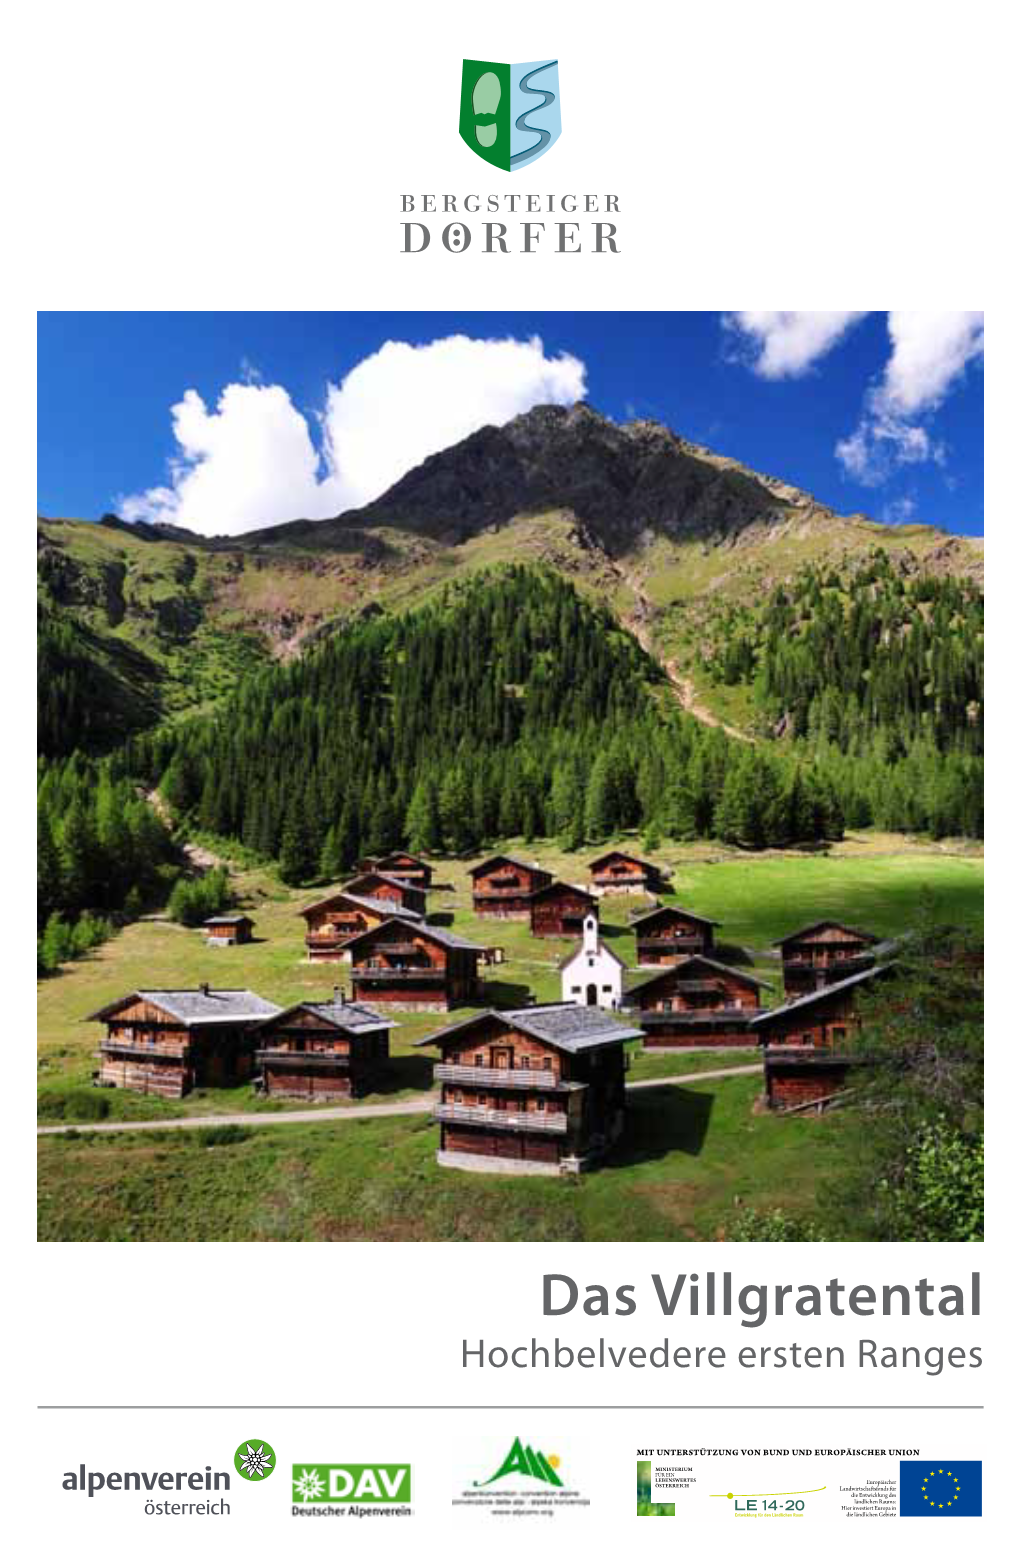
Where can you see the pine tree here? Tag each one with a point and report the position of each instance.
(48, 870)
(455, 810)
(56, 942)
(422, 824)
(599, 809)
(298, 852)
(331, 862)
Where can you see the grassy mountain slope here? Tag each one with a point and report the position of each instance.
(666, 533)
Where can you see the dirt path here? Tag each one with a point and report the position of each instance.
(344, 1113)
(699, 1077)
(198, 858)
(683, 688)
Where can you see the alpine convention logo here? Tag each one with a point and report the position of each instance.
(510, 114)
(523, 1461)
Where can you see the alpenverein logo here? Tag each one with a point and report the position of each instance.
(255, 1460)
(510, 114)
(523, 1461)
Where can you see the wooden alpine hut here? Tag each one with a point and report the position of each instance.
(330, 924)
(697, 1002)
(414, 966)
(323, 1051)
(671, 932)
(400, 864)
(821, 953)
(169, 1042)
(808, 1040)
(535, 1091)
(559, 910)
(227, 931)
(503, 886)
(621, 873)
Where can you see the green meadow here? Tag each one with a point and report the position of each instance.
(690, 1158)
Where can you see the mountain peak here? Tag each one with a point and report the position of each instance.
(620, 481)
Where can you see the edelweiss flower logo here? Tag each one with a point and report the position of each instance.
(255, 1460)
(310, 1485)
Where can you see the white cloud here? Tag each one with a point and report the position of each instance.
(929, 352)
(882, 443)
(929, 355)
(787, 344)
(407, 401)
(246, 464)
(899, 510)
(251, 461)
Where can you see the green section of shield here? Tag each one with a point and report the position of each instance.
(471, 120)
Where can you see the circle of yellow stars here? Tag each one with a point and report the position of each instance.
(949, 1489)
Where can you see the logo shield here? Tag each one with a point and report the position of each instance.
(510, 114)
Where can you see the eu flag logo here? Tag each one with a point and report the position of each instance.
(938, 1489)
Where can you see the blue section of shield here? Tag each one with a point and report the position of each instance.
(940, 1489)
(534, 111)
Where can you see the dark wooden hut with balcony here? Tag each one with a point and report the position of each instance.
(332, 923)
(385, 886)
(169, 1042)
(558, 910)
(323, 1051)
(697, 1002)
(414, 966)
(227, 931)
(539, 1090)
(503, 886)
(621, 873)
(808, 1041)
(670, 933)
(824, 952)
(400, 864)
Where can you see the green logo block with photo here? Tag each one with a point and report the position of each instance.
(379, 1484)
(254, 1460)
(510, 114)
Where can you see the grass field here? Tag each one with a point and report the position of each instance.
(691, 1157)
(378, 1179)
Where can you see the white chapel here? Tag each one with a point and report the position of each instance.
(593, 976)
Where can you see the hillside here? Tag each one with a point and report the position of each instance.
(667, 534)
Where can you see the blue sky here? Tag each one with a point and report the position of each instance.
(292, 414)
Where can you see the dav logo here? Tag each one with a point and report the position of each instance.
(510, 114)
(346, 1484)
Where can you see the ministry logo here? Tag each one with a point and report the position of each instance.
(510, 114)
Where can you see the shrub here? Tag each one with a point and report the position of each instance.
(940, 1195)
(73, 1105)
(771, 1226)
(193, 900)
(222, 1136)
(86, 1105)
